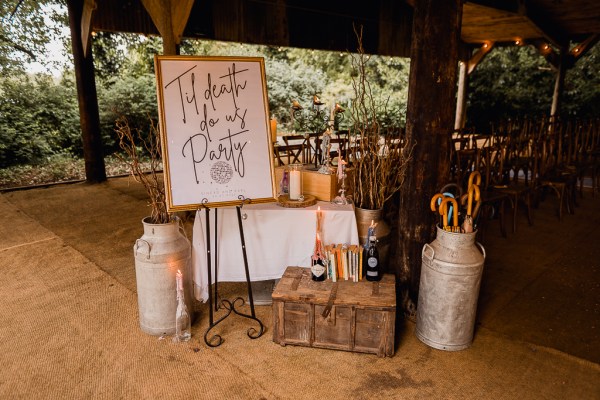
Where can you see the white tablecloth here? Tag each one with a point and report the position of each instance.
(276, 237)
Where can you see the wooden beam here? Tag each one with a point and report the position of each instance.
(547, 51)
(170, 18)
(559, 83)
(429, 123)
(86, 23)
(479, 55)
(87, 97)
(180, 13)
(582, 48)
(546, 31)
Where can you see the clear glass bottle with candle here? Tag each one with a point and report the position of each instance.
(183, 322)
(295, 179)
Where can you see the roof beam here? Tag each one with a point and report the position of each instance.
(478, 56)
(89, 6)
(549, 33)
(547, 51)
(170, 18)
(583, 47)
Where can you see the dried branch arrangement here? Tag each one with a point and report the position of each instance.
(379, 161)
(130, 141)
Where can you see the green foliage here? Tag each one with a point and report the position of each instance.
(38, 118)
(298, 74)
(509, 82)
(24, 32)
(514, 82)
(582, 87)
(130, 96)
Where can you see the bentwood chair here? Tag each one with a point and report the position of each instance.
(518, 191)
(551, 173)
(493, 202)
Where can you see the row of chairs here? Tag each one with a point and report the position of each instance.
(306, 149)
(523, 159)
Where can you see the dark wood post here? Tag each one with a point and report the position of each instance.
(429, 123)
(93, 153)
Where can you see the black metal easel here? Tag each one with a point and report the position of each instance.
(216, 340)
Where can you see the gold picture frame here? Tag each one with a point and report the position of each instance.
(215, 131)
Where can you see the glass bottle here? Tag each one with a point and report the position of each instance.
(372, 265)
(285, 184)
(183, 323)
(318, 269)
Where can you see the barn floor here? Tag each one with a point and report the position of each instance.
(69, 327)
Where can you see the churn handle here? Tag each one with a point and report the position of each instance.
(482, 248)
(432, 251)
(137, 245)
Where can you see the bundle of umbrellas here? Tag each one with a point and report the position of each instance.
(447, 207)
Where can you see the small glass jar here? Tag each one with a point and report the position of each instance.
(295, 181)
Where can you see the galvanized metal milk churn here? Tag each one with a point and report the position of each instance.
(451, 271)
(161, 251)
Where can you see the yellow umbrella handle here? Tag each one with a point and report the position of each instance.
(455, 214)
(477, 199)
(475, 178)
(434, 199)
(444, 211)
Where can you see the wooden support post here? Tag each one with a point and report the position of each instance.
(429, 123)
(88, 100)
(461, 96)
(559, 83)
(466, 68)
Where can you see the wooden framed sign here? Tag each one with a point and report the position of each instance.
(214, 125)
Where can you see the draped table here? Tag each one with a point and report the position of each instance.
(276, 237)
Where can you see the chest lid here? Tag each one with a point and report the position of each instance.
(296, 285)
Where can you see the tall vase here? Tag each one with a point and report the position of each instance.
(382, 231)
(162, 250)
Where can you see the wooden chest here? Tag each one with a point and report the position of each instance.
(323, 187)
(351, 316)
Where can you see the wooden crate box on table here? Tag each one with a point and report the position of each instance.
(324, 187)
(345, 315)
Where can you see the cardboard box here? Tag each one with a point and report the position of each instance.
(345, 315)
(323, 187)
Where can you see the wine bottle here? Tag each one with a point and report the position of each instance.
(318, 270)
(373, 266)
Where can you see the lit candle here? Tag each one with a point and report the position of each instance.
(295, 184)
(319, 220)
(273, 130)
(179, 279)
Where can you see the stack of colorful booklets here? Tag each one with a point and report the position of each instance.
(344, 262)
